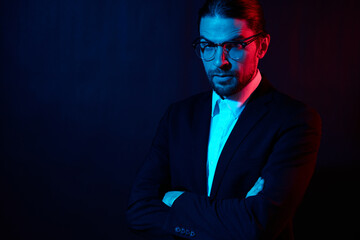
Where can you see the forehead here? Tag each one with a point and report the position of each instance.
(219, 29)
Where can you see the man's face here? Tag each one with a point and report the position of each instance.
(226, 75)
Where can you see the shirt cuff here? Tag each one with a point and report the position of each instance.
(170, 197)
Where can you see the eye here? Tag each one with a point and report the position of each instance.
(204, 45)
(233, 45)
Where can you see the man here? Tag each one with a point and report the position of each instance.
(234, 162)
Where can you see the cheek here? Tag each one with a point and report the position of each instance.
(206, 66)
(249, 59)
(247, 56)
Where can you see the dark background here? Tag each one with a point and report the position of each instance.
(84, 84)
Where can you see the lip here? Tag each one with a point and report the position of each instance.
(223, 75)
(222, 79)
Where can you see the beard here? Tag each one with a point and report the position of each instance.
(229, 85)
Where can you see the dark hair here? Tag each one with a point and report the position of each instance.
(249, 10)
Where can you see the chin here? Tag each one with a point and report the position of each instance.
(226, 92)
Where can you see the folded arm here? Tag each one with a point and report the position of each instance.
(263, 215)
(170, 197)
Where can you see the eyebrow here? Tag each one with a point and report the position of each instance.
(240, 37)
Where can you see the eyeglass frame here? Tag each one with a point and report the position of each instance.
(243, 42)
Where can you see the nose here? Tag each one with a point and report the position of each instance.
(220, 60)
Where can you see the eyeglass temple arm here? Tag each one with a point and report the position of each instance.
(247, 41)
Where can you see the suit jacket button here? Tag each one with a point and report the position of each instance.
(192, 234)
(177, 229)
(187, 232)
(183, 231)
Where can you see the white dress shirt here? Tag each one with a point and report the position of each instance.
(224, 116)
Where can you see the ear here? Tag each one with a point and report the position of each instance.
(264, 45)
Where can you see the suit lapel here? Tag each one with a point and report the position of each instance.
(255, 109)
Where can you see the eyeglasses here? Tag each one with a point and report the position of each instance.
(206, 50)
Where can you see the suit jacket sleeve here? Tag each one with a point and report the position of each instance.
(287, 174)
(146, 212)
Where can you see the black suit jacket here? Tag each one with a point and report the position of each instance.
(275, 137)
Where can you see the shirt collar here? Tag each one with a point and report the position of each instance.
(236, 102)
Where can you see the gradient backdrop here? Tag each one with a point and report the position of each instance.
(84, 84)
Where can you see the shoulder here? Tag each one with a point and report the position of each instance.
(287, 104)
(281, 105)
(292, 111)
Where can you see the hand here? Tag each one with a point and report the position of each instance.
(256, 188)
(170, 197)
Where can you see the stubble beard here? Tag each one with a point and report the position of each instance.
(234, 86)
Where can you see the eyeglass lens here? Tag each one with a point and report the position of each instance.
(207, 51)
